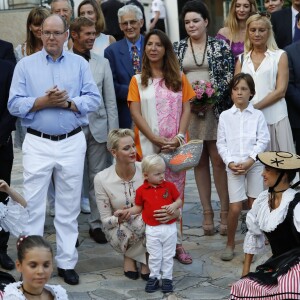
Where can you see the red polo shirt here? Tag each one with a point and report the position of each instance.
(152, 198)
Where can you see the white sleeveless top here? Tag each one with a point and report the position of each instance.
(101, 42)
(265, 82)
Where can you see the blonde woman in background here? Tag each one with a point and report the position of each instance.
(268, 66)
(235, 25)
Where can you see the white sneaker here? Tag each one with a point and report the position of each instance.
(85, 206)
(52, 211)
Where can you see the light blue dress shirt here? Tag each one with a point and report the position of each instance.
(37, 73)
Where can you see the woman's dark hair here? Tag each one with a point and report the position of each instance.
(170, 68)
(100, 20)
(196, 6)
(25, 243)
(291, 175)
(249, 80)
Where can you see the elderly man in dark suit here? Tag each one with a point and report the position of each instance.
(7, 125)
(284, 24)
(125, 58)
(293, 91)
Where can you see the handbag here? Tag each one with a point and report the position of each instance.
(185, 157)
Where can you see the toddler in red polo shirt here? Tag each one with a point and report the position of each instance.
(154, 194)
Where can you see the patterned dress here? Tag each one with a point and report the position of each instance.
(113, 193)
(220, 69)
(162, 109)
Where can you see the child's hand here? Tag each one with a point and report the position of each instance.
(118, 212)
(170, 209)
(122, 215)
(246, 165)
(235, 168)
(4, 187)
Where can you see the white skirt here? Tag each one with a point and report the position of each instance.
(13, 217)
(281, 136)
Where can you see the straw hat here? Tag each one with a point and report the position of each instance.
(280, 160)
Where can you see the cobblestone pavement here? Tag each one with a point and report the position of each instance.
(100, 267)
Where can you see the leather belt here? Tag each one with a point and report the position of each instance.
(53, 137)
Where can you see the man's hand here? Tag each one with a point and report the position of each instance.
(57, 98)
(53, 98)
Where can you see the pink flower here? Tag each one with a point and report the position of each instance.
(210, 92)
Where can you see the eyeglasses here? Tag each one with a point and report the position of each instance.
(55, 34)
(132, 23)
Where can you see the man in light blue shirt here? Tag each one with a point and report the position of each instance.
(53, 91)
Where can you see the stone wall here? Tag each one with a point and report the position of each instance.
(13, 25)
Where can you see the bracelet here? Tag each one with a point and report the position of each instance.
(181, 136)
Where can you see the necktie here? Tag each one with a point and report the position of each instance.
(136, 60)
(297, 29)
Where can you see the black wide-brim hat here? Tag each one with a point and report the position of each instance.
(280, 160)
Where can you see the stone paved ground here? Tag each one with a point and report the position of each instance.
(100, 268)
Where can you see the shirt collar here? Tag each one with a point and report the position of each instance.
(49, 58)
(249, 108)
(267, 53)
(86, 54)
(138, 44)
(149, 186)
(294, 13)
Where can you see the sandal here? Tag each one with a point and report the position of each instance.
(209, 229)
(182, 256)
(223, 227)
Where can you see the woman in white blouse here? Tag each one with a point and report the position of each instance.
(115, 189)
(276, 214)
(268, 66)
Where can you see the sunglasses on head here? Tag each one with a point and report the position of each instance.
(262, 14)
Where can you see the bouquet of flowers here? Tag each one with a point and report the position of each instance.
(205, 94)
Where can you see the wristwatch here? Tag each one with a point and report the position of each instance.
(69, 104)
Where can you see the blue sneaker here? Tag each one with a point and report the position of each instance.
(152, 285)
(167, 286)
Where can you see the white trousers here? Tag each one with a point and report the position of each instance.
(63, 159)
(161, 246)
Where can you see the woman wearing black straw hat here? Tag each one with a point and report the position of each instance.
(276, 214)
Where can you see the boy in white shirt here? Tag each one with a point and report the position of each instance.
(242, 134)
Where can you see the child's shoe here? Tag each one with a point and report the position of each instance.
(152, 285)
(167, 286)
